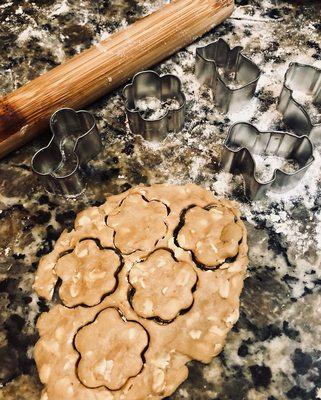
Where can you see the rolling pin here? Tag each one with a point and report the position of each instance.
(91, 74)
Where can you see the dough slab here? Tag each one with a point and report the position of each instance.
(147, 282)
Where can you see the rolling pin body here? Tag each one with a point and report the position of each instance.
(96, 71)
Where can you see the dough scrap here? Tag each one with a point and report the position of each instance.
(106, 343)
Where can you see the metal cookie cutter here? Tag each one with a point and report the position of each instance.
(244, 140)
(75, 140)
(146, 89)
(307, 80)
(216, 64)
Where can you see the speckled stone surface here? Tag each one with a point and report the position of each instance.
(274, 351)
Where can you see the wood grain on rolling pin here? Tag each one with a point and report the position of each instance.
(86, 77)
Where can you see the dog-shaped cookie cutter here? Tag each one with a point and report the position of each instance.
(307, 80)
(149, 84)
(75, 140)
(216, 56)
(244, 140)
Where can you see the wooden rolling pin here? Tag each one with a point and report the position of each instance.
(25, 112)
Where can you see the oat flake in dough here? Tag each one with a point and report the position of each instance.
(150, 280)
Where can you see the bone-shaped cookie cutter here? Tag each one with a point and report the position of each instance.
(150, 85)
(244, 140)
(216, 56)
(307, 80)
(75, 140)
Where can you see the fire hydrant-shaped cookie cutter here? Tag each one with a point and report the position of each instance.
(217, 65)
(75, 140)
(245, 140)
(160, 96)
(305, 79)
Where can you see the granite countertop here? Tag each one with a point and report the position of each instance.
(274, 351)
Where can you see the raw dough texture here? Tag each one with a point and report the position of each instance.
(147, 282)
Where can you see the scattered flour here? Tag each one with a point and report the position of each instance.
(223, 184)
(266, 165)
(62, 8)
(152, 108)
(196, 167)
(45, 39)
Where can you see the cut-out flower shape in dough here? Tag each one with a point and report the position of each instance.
(211, 234)
(87, 273)
(163, 286)
(138, 224)
(110, 350)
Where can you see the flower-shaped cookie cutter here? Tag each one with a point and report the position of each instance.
(244, 140)
(307, 80)
(217, 56)
(75, 140)
(147, 85)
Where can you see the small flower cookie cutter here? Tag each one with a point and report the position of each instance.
(150, 85)
(307, 80)
(244, 140)
(218, 55)
(75, 140)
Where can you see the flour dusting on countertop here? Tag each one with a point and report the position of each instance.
(274, 350)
